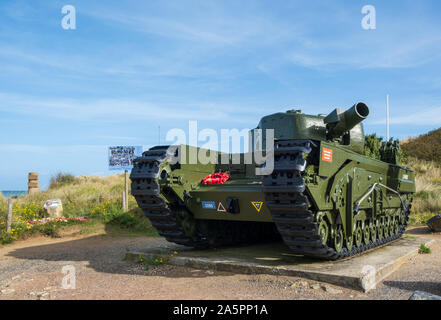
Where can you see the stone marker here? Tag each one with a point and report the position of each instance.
(53, 208)
(435, 223)
(33, 186)
(421, 295)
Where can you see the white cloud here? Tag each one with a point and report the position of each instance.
(423, 116)
(208, 23)
(50, 149)
(118, 109)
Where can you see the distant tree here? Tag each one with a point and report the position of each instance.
(61, 179)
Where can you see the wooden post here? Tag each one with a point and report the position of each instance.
(9, 218)
(126, 190)
(124, 201)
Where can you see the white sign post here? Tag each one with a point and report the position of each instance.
(121, 158)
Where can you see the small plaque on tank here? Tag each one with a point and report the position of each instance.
(209, 205)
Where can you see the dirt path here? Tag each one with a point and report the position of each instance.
(32, 269)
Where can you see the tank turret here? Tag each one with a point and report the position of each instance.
(338, 122)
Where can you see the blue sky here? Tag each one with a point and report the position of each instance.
(130, 66)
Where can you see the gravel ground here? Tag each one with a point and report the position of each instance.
(32, 269)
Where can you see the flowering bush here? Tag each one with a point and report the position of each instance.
(27, 212)
(46, 226)
(62, 219)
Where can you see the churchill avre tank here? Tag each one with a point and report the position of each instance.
(324, 198)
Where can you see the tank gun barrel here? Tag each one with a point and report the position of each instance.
(338, 121)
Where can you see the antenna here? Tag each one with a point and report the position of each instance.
(387, 117)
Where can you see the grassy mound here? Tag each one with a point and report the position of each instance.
(423, 154)
(97, 198)
(427, 201)
(424, 147)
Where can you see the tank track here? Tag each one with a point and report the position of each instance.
(209, 233)
(289, 206)
(146, 189)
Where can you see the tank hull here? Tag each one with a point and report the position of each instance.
(324, 198)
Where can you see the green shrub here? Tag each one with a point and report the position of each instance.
(61, 179)
(388, 151)
(50, 229)
(21, 230)
(124, 220)
(372, 145)
(106, 210)
(417, 218)
(5, 237)
(133, 220)
(424, 249)
(425, 194)
(26, 212)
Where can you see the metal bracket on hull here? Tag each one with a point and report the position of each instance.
(357, 206)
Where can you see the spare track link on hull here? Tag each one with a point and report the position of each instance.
(289, 206)
(146, 190)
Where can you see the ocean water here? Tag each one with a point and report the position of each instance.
(11, 193)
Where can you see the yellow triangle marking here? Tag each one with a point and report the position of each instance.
(221, 208)
(257, 205)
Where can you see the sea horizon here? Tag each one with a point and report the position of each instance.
(13, 193)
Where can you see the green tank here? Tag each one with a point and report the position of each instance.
(324, 198)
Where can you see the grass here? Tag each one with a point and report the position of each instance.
(97, 198)
(424, 156)
(424, 147)
(427, 200)
(424, 249)
(154, 259)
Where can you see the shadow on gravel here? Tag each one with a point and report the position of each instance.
(431, 287)
(419, 230)
(105, 254)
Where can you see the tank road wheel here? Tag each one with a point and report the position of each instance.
(373, 233)
(366, 234)
(358, 237)
(384, 227)
(396, 226)
(387, 228)
(338, 240)
(350, 242)
(392, 227)
(380, 231)
(323, 231)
